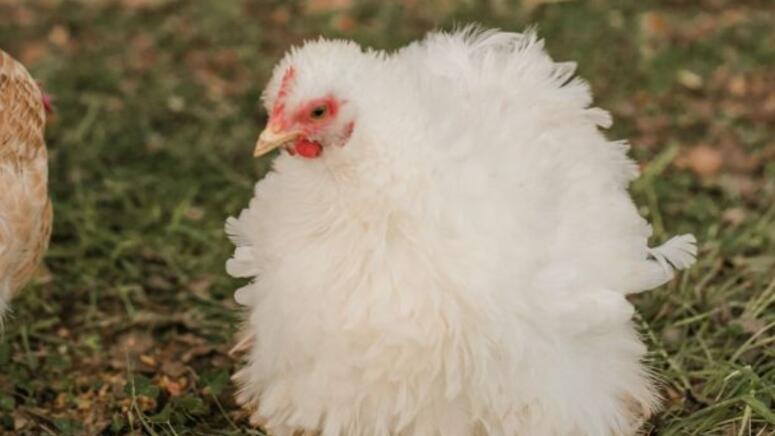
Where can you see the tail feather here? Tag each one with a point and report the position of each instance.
(678, 253)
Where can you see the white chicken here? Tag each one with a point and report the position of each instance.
(445, 249)
(25, 209)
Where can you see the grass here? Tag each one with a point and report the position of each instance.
(128, 330)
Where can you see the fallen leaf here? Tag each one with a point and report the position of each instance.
(200, 286)
(128, 348)
(702, 160)
(737, 86)
(344, 23)
(148, 360)
(174, 388)
(734, 216)
(194, 213)
(59, 36)
(159, 282)
(173, 368)
(176, 103)
(689, 79)
(654, 24)
(750, 325)
(280, 15)
(20, 421)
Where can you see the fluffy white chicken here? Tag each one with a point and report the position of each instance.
(25, 209)
(445, 249)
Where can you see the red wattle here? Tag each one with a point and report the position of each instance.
(307, 148)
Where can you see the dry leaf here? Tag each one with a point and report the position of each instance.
(172, 367)
(148, 360)
(734, 216)
(173, 387)
(751, 325)
(689, 79)
(702, 160)
(344, 23)
(129, 347)
(59, 36)
(194, 213)
(280, 15)
(200, 286)
(737, 86)
(654, 24)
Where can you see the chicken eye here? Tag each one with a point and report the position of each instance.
(319, 112)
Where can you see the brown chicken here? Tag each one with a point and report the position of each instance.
(25, 208)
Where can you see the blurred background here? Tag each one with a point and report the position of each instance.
(127, 329)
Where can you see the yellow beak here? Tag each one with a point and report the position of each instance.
(271, 139)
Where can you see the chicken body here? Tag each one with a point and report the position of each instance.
(25, 209)
(459, 266)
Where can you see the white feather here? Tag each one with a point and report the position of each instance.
(459, 266)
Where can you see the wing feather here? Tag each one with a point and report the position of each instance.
(25, 210)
